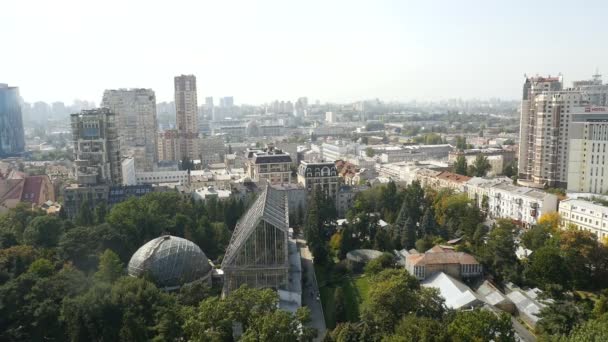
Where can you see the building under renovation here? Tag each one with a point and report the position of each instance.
(258, 253)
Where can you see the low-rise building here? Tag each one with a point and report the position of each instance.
(441, 179)
(35, 190)
(320, 176)
(270, 164)
(210, 192)
(497, 157)
(521, 204)
(74, 195)
(585, 215)
(346, 198)
(443, 259)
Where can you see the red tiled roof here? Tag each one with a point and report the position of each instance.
(453, 177)
(441, 255)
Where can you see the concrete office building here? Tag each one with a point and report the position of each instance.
(186, 111)
(546, 112)
(96, 147)
(135, 111)
(12, 139)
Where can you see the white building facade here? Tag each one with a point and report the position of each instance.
(584, 215)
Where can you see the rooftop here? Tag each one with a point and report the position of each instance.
(441, 255)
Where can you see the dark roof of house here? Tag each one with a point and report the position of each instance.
(272, 158)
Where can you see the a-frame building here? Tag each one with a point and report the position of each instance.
(258, 254)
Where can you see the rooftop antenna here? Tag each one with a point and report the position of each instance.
(597, 76)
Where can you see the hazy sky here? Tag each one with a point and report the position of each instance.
(330, 50)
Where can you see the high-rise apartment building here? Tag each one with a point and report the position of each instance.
(546, 112)
(137, 125)
(588, 137)
(96, 147)
(12, 139)
(186, 109)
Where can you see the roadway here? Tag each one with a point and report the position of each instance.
(310, 291)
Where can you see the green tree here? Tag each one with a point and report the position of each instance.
(411, 233)
(592, 330)
(460, 166)
(41, 267)
(481, 166)
(560, 317)
(414, 328)
(110, 267)
(393, 295)
(428, 225)
(536, 237)
(480, 325)
(43, 231)
(369, 152)
(384, 261)
(85, 214)
(100, 213)
(313, 230)
(130, 309)
(461, 143)
(16, 260)
(500, 256)
(546, 266)
(339, 306)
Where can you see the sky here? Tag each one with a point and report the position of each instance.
(331, 50)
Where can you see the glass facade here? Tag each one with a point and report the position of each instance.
(171, 261)
(12, 140)
(257, 254)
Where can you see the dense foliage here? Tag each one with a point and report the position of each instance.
(64, 280)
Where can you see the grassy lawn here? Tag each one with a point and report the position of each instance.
(355, 291)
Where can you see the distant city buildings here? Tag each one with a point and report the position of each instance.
(12, 140)
(137, 125)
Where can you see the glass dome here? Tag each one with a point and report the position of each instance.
(171, 261)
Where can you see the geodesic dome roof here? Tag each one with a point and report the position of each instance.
(171, 261)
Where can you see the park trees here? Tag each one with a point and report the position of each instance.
(460, 166)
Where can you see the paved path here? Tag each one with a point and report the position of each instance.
(310, 291)
(523, 333)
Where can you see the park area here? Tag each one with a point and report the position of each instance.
(345, 306)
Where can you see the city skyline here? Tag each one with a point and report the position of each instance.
(272, 50)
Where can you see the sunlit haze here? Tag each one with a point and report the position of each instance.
(258, 51)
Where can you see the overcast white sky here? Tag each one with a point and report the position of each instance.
(330, 50)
